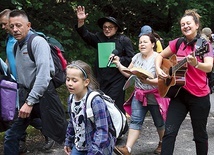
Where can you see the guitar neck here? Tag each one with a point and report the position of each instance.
(170, 86)
(179, 65)
(200, 50)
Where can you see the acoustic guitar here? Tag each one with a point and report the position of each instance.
(176, 70)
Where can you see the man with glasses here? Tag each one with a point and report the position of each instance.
(110, 79)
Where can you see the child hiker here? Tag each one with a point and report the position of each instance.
(84, 136)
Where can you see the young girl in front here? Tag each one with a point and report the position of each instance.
(83, 136)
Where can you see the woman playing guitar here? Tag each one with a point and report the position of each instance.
(193, 96)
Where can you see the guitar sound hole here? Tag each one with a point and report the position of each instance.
(168, 81)
(170, 71)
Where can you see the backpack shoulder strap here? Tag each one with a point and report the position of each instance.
(69, 101)
(3, 70)
(15, 48)
(29, 47)
(178, 43)
(89, 111)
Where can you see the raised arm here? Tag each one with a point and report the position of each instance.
(81, 15)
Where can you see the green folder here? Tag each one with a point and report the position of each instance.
(104, 51)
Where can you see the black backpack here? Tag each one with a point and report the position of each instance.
(56, 53)
(210, 75)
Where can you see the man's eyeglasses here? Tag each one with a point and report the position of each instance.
(108, 27)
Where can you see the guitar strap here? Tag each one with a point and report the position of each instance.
(183, 39)
(202, 47)
(191, 43)
(198, 42)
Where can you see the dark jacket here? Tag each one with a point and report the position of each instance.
(54, 123)
(123, 45)
(51, 112)
(110, 79)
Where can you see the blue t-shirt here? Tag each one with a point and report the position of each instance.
(10, 55)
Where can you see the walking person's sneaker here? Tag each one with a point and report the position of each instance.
(158, 149)
(121, 150)
(49, 143)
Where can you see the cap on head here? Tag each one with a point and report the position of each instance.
(145, 30)
(207, 31)
(101, 21)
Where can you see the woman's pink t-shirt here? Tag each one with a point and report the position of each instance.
(196, 80)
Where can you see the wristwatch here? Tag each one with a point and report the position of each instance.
(29, 103)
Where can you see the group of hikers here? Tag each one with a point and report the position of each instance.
(38, 103)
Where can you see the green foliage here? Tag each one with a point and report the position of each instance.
(57, 18)
(1, 136)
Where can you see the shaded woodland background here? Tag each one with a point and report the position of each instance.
(57, 18)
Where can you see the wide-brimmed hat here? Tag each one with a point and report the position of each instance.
(101, 21)
(146, 29)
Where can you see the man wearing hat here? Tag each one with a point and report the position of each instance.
(110, 79)
(146, 29)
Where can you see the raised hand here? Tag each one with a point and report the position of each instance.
(81, 15)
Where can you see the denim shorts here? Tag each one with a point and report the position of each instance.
(139, 113)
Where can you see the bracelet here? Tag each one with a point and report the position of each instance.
(197, 64)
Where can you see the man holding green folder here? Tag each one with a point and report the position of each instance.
(108, 40)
